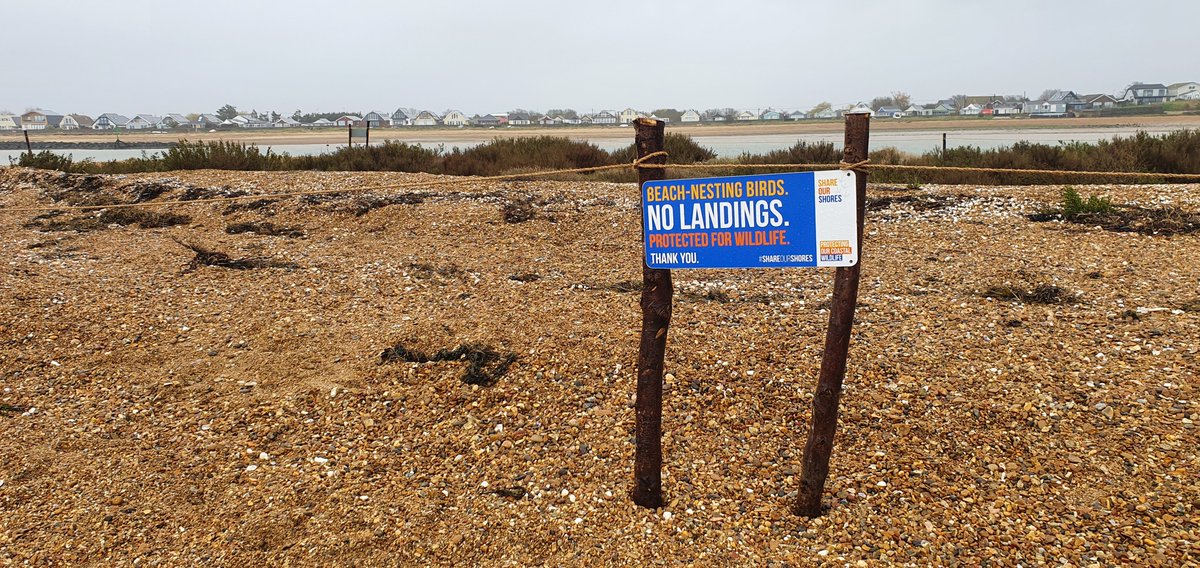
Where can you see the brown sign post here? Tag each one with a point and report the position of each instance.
(657, 292)
(656, 318)
(837, 341)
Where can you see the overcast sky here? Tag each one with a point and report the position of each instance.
(134, 56)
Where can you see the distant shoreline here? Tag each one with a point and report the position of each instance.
(79, 145)
(334, 135)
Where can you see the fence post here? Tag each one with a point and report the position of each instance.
(837, 342)
(28, 146)
(368, 136)
(656, 318)
(350, 134)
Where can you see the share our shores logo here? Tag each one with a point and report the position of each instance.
(769, 220)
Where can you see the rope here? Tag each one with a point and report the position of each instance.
(640, 163)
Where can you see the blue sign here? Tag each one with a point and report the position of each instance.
(758, 221)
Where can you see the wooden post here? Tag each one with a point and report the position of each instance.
(350, 135)
(657, 291)
(943, 145)
(837, 342)
(368, 135)
(28, 146)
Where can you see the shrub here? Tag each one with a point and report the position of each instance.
(46, 160)
(1075, 206)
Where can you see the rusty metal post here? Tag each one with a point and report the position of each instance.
(28, 146)
(837, 342)
(656, 318)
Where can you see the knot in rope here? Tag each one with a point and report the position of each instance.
(641, 162)
(857, 166)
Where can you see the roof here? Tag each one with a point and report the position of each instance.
(1177, 85)
(118, 119)
(83, 120)
(43, 111)
(148, 118)
(1147, 86)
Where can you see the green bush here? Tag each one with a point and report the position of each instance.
(681, 149)
(1075, 206)
(46, 160)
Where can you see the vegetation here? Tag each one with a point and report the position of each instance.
(1159, 156)
(1075, 206)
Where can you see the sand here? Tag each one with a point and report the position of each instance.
(161, 411)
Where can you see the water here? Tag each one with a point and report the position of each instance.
(911, 141)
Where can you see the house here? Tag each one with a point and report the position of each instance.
(10, 122)
(859, 108)
(245, 121)
(943, 107)
(486, 120)
(1070, 100)
(402, 117)
(519, 119)
(770, 114)
(109, 121)
(347, 120)
(322, 122)
(915, 110)
(376, 119)
(797, 115)
(604, 117)
(206, 121)
(629, 115)
(426, 118)
(1003, 108)
(285, 122)
(1144, 93)
(176, 120)
(74, 121)
(690, 115)
(1189, 91)
(455, 118)
(1045, 108)
(566, 120)
(546, 121)
(143, 122)
(1095, 101)
(889, 112)
(40, 119)
(971, 110)
(825, 114)
(747, 115)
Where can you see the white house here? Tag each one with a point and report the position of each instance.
(690, 115)
(604, 117)
(971, 110)
(143, 122)
(10, 122)
(76, 121)
(322, 122)
(426, 118)
(629, 115)
(747, 115)
(285, 122)
(1144, 93)
(455, 118)
(109, 121)
(797, 115)
(1189, 91)
(176, 120)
